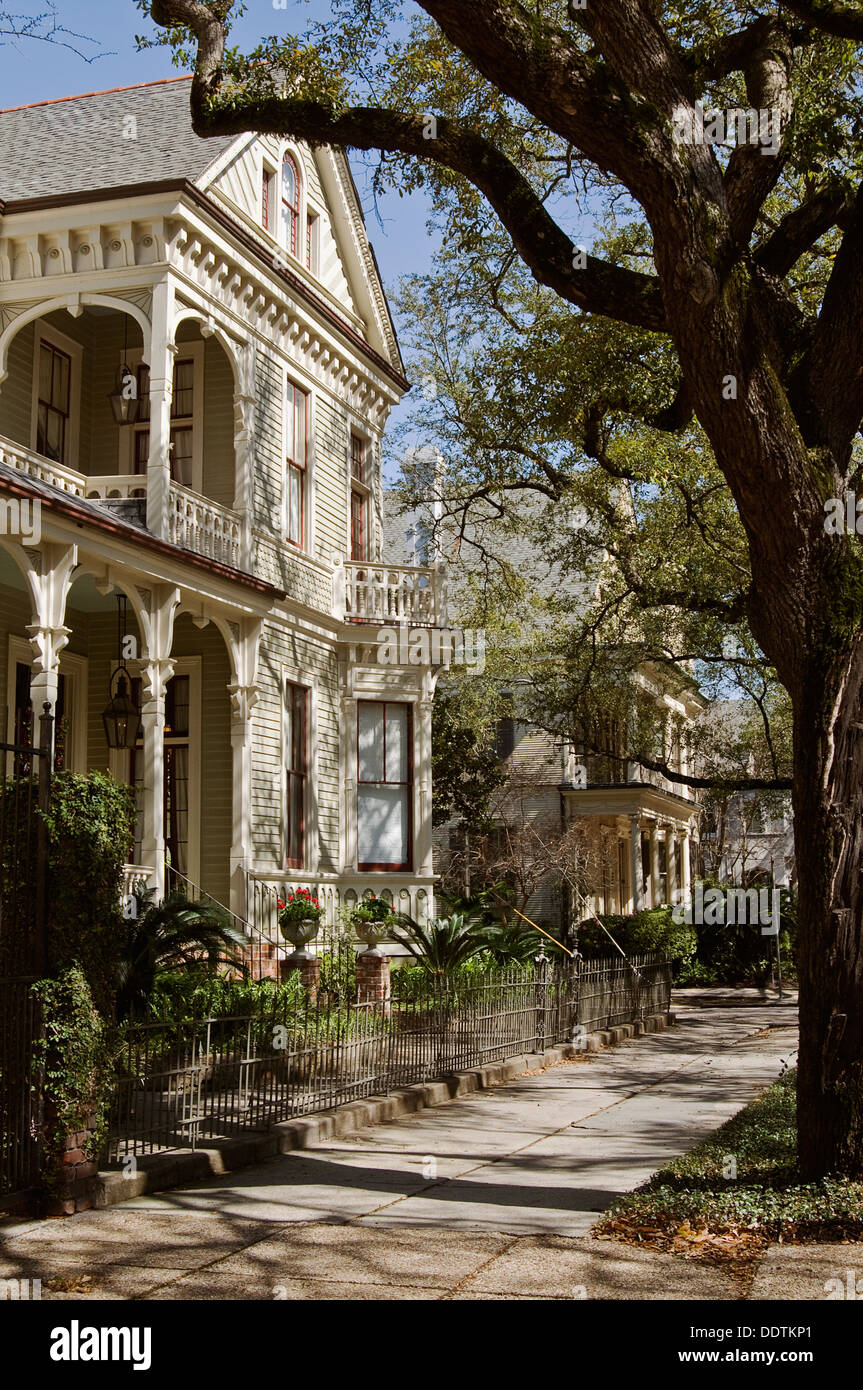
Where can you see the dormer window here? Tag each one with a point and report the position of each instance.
(290, 204)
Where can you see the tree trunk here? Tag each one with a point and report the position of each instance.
(828, 832)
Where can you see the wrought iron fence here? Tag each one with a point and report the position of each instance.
(184, 1080)
(25, 788)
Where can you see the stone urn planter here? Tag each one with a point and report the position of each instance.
(300, 932)
(372, 933)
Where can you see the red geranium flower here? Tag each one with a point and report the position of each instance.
(279, 903)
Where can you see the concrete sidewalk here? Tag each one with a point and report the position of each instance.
(493, 1196)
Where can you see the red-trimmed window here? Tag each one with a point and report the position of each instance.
(290, 203)
(312, 249)
(268, 178)
(296, 773)
(359, 499)
(384, 785)
(296, 455)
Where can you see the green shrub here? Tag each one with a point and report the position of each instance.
(198, 992)
(652, 930)
(90, 831)
(76, 1053)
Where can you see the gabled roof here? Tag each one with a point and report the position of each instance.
(77, 144)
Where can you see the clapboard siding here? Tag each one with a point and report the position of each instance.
(286, 656)
(218, 470)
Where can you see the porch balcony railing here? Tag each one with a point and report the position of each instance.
(46, 471)
(194, 522)
(375, 592)
(135, 876)
(264, 892)
(197, 524)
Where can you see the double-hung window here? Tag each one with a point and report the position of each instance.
(296, 773)
(54, 403)
(290, 204)
(296, 456)
(359, 498)
(384, 785)
(268, 210)
(182, 421)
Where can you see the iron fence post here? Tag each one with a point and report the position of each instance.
(541, 994)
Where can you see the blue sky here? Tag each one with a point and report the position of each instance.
(32, 71)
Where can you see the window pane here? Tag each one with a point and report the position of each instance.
(181, 457)
(142, 450)
(397, 759)
(45, 370)
(53, 436)
(182, 393)
(299, 426)
(143, 392)
(382, 825)
(289, 181)
(295, 505)
(177, 707)
(60, 392)
(358, 458)
(370, 742)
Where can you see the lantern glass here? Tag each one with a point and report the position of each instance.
(124, 397)
(121, 718)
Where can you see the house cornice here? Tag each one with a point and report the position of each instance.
(213, 209)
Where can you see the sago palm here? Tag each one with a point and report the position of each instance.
(174, 934)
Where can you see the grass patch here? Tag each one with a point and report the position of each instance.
(694, 1205)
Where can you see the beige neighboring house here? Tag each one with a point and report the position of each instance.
(644, 826)
(238, 514)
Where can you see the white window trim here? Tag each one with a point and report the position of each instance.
(133, 358)
(300, 676)
(45, 333)
(74, 668)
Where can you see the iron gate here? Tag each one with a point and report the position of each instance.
(25, 788)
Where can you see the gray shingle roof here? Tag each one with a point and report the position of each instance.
(77, 144)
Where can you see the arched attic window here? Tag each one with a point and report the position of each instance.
(290, 203)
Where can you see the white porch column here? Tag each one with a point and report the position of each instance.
(685, 867)
(48, 635)
(423, 843)
(654, 864)
(156, 621)
(155, 675)
(349, 726)
(244, 407)
(243, 700)
(161, 366)
(635, 861)
(669, 863)
(243, 690)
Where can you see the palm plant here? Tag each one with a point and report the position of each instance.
(176, 933)
(444, 943)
